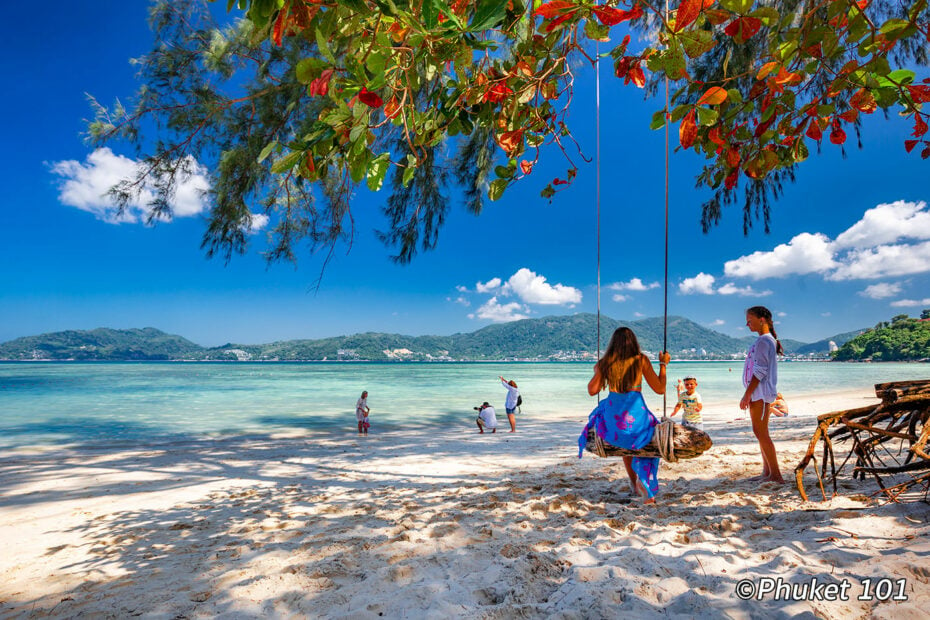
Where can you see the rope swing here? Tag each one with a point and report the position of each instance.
(690, 442)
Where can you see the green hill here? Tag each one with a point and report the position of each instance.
(101, 344)
(555, 337)
(904, 339)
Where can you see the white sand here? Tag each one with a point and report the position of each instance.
(408, 525)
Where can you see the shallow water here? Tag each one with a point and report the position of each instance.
(103, 403)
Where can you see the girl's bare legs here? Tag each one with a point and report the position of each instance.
(513, 422)
(760, 428)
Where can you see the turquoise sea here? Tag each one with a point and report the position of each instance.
(53, 404)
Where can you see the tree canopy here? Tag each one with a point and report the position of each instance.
(904, 339)
(303, 101)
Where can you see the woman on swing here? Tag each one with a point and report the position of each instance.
(622, 419)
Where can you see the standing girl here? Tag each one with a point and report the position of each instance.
(760, 376)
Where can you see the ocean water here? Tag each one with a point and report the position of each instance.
(53, 404)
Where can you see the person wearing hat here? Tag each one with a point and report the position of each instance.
(487, 418)
(690, 401)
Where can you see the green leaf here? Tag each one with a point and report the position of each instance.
(409, 170)
(287, 162)
(707, 116)
(267, 150)
(767, 14)
(488, 14)
(658, 120)
(323, 47)
(376, 171)
(734, 95)
(901, 76)
(697, 42)
(496, 190)
(429, 13)
(358, 165)
(308, 69)
(596, 31)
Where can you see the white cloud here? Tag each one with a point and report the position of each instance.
(782, 314)
(461, 300)
(881, 290)
(498, 313)
(718, 322)
(884, 261)
(825, 313)
(638, 315)
(259, 221)
(805, 253)
(634, 284)
(620, 298)
(701, 284)
(887, 223)
(85, 186)
(461, 289)
(533, 289)
(745, 291)
(488, 287)
(908, 303)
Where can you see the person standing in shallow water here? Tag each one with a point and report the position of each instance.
(361, 414)
(510, 404)
(760, 378)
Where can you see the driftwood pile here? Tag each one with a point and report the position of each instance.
(888, 441)
(689, 443)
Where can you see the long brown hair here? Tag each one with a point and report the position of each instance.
(621, 358)
(761, 312)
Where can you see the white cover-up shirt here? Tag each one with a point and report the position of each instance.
(512, 393)
(762, 363)
(489, 416)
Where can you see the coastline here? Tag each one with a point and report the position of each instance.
(442, 522)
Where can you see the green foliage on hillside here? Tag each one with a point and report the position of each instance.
(903, 339)
(146, 344)
(555, 337)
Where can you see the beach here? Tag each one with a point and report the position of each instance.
(440, 522)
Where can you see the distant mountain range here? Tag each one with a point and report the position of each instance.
(550, 338)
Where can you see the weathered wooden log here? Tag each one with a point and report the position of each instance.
(894, 391)
(905, 421)
(689, 443)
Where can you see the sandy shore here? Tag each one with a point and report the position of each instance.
(447, 524)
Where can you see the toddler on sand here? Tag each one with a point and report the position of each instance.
(690, 401)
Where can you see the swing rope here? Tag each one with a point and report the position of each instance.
(665, 431)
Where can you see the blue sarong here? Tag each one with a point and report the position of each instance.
(623, 420)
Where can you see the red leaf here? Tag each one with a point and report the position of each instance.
(924, 154)
(611, 17)
(551, 9)
(743, 28)
(392, 108)
(731, 179)
(920, 94)
(526, 166)
(920, 127)
(558, 20)
(688, 11)
(714, 136)
(559, 182)
(510, 141)
(863, 101)
(862, 3)
(850, 116)
(813, 130)
(497, 93)
(687, 131)
(733, 158)
(320, 86)
(637, 76)
(837, 135)
(714, 96)
(278, 30)
(910, 144)
(372, 100)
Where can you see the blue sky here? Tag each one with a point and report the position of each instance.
(849, 245)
